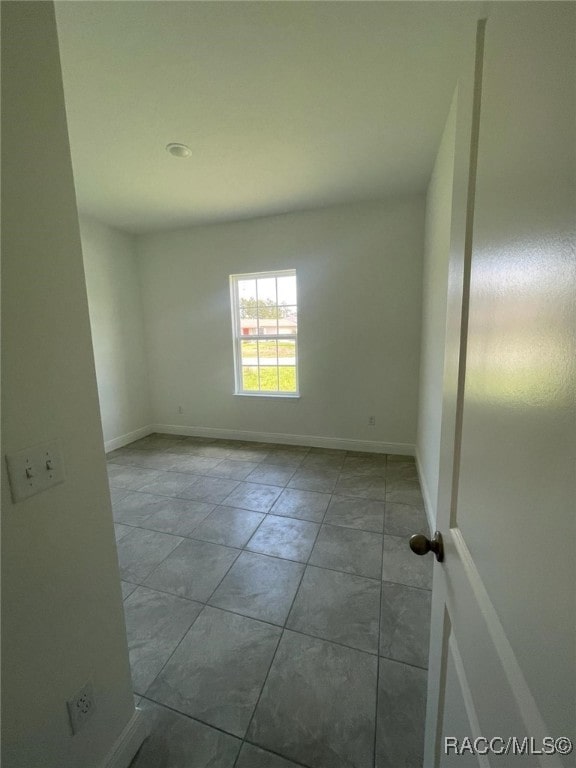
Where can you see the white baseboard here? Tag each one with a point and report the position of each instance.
(128, 743)
(344, 444)
(120, 442)
(429, 507)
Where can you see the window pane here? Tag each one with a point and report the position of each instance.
(248, 326)
(268, 352)
(286, 352)
(246, 291)
(267, 320)
(288, 320)
(269, 379)
(287, 290)
(250, 378)
(249, 352)
(287, 376)
(267, 290)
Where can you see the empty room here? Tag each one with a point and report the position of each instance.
(288, 422)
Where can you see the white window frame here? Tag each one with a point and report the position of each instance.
(238, 337)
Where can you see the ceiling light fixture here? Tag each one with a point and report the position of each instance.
(178, 150)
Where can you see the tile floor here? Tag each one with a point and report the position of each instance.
(275, 615)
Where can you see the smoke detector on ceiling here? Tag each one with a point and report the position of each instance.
(178, 150)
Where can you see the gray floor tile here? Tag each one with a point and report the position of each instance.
(169, 483)
(155, 624)
(284, 537)
(212, 490)
(129, 478)
(339, 607)
(362, 486)
(331, 610)
(248, 453)
(271, 474)
(136, 507)
(404, 520)
(401, 565)
(253, 496)
(322, 480)
(148, 447)
(176, 741)
(401, 715)
(127, 589)
(199, 440)
(178, 516)
(304, 505)
(349, 550)
(218, 670)
(259, 586)
(316, 460)
(365, 514)
(127, 457)
(287, 456)
(368, 466)
(185, 448)
(405, 492)
(398, 471)
(121, 530)
(318, 704)
(396, 457)
(254, 757)
(232, 469)
(158, 460)
(157, 440)
(328, 452)
(216, 450)
(405, 624)
(193, 570)
(228, 526)
(402, 484)
(141, 551)
(197, 465)
(118, 452)
(116, 495)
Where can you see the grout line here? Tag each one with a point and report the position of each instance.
(377, 697)
(216, 728)
(273, 752)
(409, 586)
(282, 634)
(282, 626)
(406, 663)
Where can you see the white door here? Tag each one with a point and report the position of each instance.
(503, 644)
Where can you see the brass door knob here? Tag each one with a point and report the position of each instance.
(421, 545)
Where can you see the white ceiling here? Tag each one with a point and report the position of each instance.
(285, 105)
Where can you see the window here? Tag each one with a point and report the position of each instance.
(265, 328)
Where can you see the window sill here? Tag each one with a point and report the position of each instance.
(268, 395)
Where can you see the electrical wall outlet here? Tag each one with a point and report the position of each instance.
(371, 421)
(81, 707)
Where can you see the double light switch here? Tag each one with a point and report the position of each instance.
(34, 469)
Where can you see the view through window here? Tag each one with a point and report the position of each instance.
(265, 326)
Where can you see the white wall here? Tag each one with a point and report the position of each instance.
(434, 303)
(116, 319)
(62, 618)
(359, 280)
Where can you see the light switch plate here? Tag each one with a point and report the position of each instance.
(35, 469)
